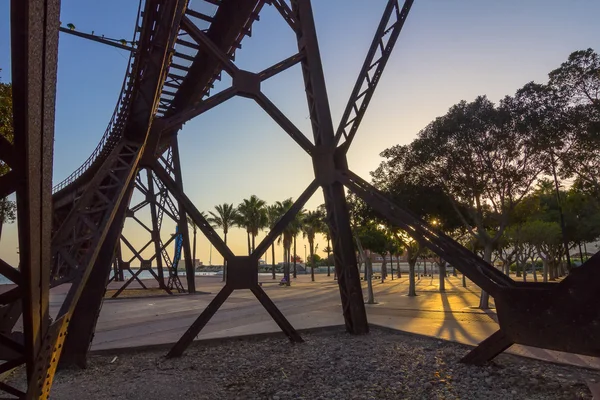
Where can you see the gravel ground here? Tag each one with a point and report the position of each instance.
(329, 365)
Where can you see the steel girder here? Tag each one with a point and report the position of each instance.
(152, 150)
(100, 211)
(149, 202)
(34, 47)
(242, 270)
(327, 160)
(102, 203)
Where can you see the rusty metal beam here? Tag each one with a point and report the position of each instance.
(193, 212)
(200, 322)
(372, 69)
(285, 220)
(325, 164)
(34, 47)
(285, 124)
(280, 66)
(85, 315)
(113, 43)
(190, 271)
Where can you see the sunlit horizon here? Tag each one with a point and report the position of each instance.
(445, 53)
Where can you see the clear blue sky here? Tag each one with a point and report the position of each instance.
(448, 51)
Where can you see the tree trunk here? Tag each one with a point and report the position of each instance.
(392, 266)
(398, 265)
(370, 295)
(224, 259)
(194, 252)
(442, 276)
(286, 266)
(484, 299)
(383, 269)
(328, 266)
(454, 271)
(249, 247)
(411, 277)
(273, 260)
(295, 272)
(253, 238)
(361, 253)
(464, 280)
(545, 269)
(311, 244)
(424, 266)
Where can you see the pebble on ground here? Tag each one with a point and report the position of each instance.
(330, 364)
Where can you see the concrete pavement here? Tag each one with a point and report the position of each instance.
(132, 322)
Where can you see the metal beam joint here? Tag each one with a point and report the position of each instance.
(246, 83)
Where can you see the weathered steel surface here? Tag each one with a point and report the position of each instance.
(91, 205)
(34, 50)
(563, 316)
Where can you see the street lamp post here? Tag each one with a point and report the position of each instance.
(305, 260)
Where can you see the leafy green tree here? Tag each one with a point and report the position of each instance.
(546, 237)
(481, 161)
(370, 237)
(8, 208)
(417, 193)
(582, 216)
(396, 249)
(578, 78)
(226, 216)
(577, 83)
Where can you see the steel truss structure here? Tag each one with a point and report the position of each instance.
(177, 55)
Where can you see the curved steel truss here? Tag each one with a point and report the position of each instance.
(75, 236)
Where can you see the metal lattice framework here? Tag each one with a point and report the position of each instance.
(178, 54)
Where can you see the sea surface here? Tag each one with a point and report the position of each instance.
(127, 275)
(148, 275)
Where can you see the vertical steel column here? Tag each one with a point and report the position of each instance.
(34, 34)
(151, 198)
(190, 270)
(85, 316)
(325, 163)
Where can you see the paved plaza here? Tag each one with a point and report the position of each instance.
(154, 320)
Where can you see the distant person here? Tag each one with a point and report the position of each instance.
(283, 282)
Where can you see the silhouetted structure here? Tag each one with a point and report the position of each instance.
(75, 234)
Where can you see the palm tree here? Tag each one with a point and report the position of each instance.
(253, 217)
(273, 215)
(194, 229)
(327, 233)
(296, 228)
(286, 237)
(311, 225)
(225, 218)
(327, 250)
